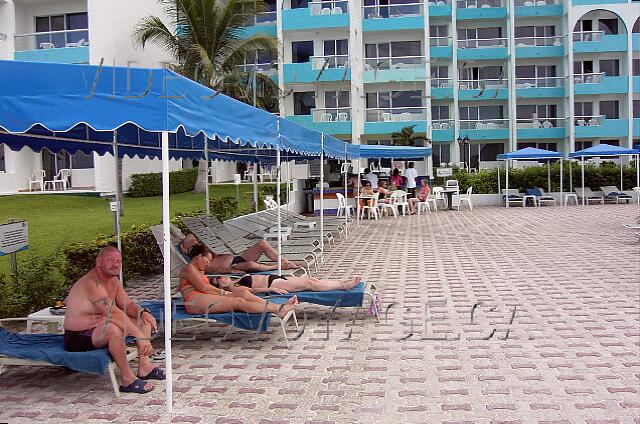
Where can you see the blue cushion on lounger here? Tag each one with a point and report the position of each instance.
(50, 348)
(351, 297)
(533, 192)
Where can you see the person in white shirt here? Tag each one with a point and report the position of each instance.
(371, 177)
(411, 174)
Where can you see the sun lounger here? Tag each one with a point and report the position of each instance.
(48, 350)
(541, 197)
(588, 195)
(256, 225)
(613, 194)
(242, 320)
(511, 195)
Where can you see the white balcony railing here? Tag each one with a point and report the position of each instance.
(530, 3)
(329, 62)
(588, 121)
(482, 43)
(333, 7)
(591, 78)
(588, 35)
(539, 41)
(478, 4)
(484, 124)
(540, 82)
(392, 10)
(263, 68)
(399, 62)
(52, 40)
(399, 114)
(442, 124)
(482, 83)
(262, 18)
(441, 83)
(541, 123)
(332, 114)
(432, 3)
(439, 41)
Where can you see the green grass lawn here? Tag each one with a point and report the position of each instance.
(57, 220)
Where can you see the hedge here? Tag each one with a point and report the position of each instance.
(147, 185)
(486, 181)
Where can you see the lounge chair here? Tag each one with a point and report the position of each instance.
(613, 194)
(48, 350)
(511, 195)
(588, 195)
(541, 196)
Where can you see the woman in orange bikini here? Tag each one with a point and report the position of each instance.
(201, 297)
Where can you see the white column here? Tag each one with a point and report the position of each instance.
(569, 85)
(511, 76)
(583, 196)
(561, 177)
(167, 271)
(118, 200)
(427, 96)
(255, 185)
(455, 154)
(278, 200)
(322, 197)
(506, 183)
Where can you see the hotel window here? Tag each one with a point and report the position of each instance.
(336, 99)
(297, 4)
(636, 67)
(536, 35)
(611, 67)
(303, 102)
(474, 113)
(79, 160)
(583, 67)
(610, 142)
(491, 33)
(336, 47)
(395, 99)
(439, 35)
(583, 109)
(544, 74)
(439, 113)
(301, 51)
(441, 153)
(581, 145)
(609, 26)
(440, 76)
(610, 109)
(393, 49)
(636, 108)
(2, 165)
(382, 163)
(67, 22)
(482, 73)
(539, 112)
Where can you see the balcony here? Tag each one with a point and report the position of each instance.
(481, 9)
(443, 130)
(636, 128)
(600, 126)
(483, 48)
(600, 84)
(540, 87)
(598, 41)
(393, 17)
(400, 68)
(439, 8)
(485, 129)
(441, 88)
(328, 120)
(636, 84)
(388, 120)
(264, 23)
(483, 89)
(320, 68)
(538, 8)
(635, 40)
(56, 46)
(440, 47)
(325, 14)
(538, 128)
(268, 69)
(533, 47)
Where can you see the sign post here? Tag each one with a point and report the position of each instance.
(14, 237)
(237, 179)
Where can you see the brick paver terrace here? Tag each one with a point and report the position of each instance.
(569, 353)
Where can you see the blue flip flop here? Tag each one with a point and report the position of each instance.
(155, 374)
(136, 387)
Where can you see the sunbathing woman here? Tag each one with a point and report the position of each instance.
(280, 284)
(201, 297)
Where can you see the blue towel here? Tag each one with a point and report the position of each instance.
(533, 192)
(351, 297)
(50, 348)
(242, 320)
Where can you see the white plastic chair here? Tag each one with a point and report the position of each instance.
(387, 117)
(402, 200)
(466, 198)
(371, 209)
(445, 126)
(491, 126)
(440, 196)
(391, 205)
(547, 124)
(62, 178)
(37, 177)
(343, 208)
(325, 11)
(325, 117)
(449, 184)
(342, 116)
(425, 204)
(337, 10)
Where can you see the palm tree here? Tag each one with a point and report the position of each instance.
(208, 46)
(407, 137)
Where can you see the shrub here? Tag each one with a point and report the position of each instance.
(147, 185)
(224, 208)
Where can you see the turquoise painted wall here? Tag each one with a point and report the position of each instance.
(591, 2)
(540, 11)
(333, 128)
(61, 55)
(539, 51)
(293, 19)
(302, 72)
(488, 94)
(389, 127)
(535, 93)
(480, 13)
(609, 43)
(442, 135)
(441, 52)
(619, 85)
(609, 128)
(490, 53)
(407, 75)
(257, 29)
(393, 24)
(539, 133)
(497, 134)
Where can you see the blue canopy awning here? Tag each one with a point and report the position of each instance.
(388, 152)
(530, 153)
(604, 150)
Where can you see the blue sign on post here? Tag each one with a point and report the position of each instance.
(14, 237)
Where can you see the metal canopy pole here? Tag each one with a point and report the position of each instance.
(118, 199)
(166, 244)
(570, 176)
(583, 197)
(322, 197)
(506, 183)
(549, 175)
(499, 179)
(346, 196)
(561, 181)
(278, 200)
(255, 185)
(621, 179)
(207, 208)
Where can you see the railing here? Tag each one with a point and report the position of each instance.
(529, 3)
(588, 78)
(439, 41)
(484, 124)
(334, 7)
(329, 62)
(258, 67)
(392, 10)
(482, 83)
(332, 114)
(540, 82)
(432, 3)
(441, 83)
(474, 43)
(588, 35)
(478, 4)
(442, 124)
(400, 114)
(399, 62)
(541, 123)
(262, 18)
(539, 41)
(52, 40)
(588, 121)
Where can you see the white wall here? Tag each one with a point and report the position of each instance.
(105, 170)
(19, 166)
(27, 11)
(7, 27)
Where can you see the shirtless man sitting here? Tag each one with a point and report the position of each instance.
(100, 314)
(245, 262)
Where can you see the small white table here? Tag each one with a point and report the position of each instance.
(54, 322)
(527, 197)
(567, 196)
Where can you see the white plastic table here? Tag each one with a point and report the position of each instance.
(527, 197)
(54, 322)
(567, 196)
